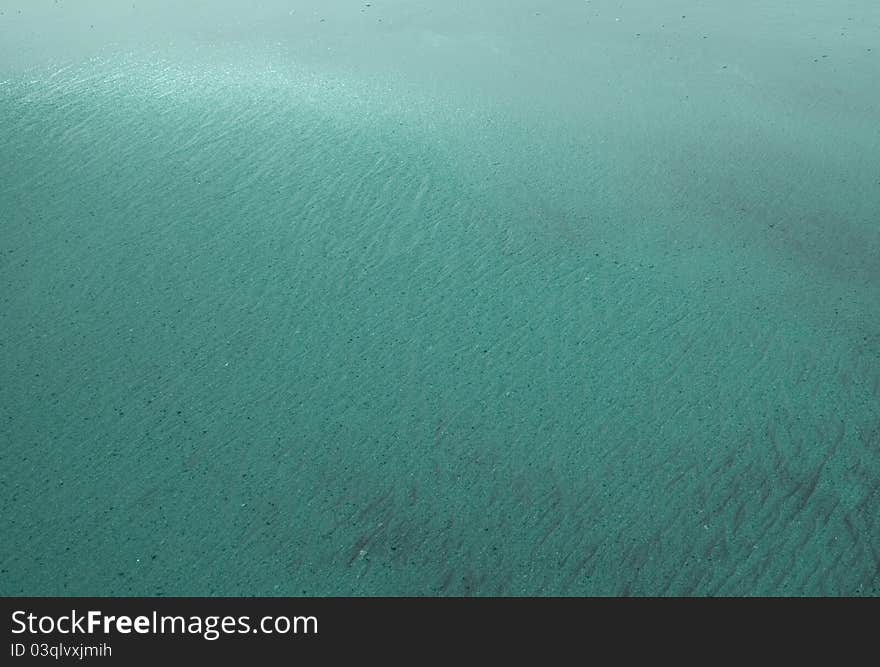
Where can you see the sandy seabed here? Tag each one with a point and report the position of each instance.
(529, 298)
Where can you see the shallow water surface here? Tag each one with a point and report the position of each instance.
(553, 298)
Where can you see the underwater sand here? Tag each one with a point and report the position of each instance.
(496, 298)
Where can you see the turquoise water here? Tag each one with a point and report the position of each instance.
(524, 299)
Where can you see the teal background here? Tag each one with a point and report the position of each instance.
(498, 298)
